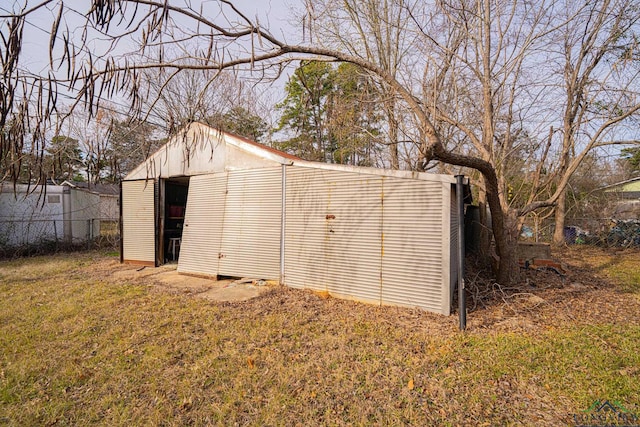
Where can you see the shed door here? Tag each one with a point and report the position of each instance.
(139, 222)
(203, 222)
(252, 223)
(352, 238)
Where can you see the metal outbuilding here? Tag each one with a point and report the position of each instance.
(234, 207)
(32, 215)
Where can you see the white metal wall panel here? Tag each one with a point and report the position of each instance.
(412, 261)
(202, 232)
(85, 214)
(138, 221)
(333, 232)
(353, 236)
(252, 223)
(200, 149)
(306, 227)
(31, 218)
(453, 245)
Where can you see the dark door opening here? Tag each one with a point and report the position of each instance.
(173, 210)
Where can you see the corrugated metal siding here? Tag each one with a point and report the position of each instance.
(364, 237)
(138, 221)
(85, 206)
(353, 237)
(251, 233)
(202, 232)
(333, 231)
(453, 245)
(412, 262)
(307, 200)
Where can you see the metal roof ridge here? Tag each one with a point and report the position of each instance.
(378, 171)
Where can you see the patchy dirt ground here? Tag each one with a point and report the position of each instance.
(587, 293)
(166, 278)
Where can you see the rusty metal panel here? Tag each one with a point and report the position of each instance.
(139, 222)
(413, 256)
(251, 233)
(202, 232)
(353, 223)
(370, 238)
(333, 232)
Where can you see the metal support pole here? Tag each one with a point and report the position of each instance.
(462, 302)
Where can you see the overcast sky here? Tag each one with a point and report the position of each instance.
(272, 14)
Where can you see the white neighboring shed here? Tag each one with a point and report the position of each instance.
(109, 198)
(31, 215)
(380, 236)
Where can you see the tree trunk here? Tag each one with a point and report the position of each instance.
(395, 161)
(508, 268)
(485, 230)
(560, 214)
(504, 223)
(505, 233)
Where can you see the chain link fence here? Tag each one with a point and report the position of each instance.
(602, 232)
(19, 237)
(608, 217)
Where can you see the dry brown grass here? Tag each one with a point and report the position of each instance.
(80, 347)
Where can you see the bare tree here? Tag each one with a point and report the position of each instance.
(600, 87)
(176, 99)
(491, 76)
(490, 68)
(92, 134)
(130, 143)
(484, 60)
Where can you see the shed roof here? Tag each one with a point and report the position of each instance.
(102, 189)
(201, 149)
(10, 187)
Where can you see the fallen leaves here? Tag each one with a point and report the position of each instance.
(294, 357)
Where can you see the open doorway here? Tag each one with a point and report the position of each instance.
(173, 209)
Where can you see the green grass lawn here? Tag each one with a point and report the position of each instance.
(79, 347)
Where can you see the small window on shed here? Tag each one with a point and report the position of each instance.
(53, 199)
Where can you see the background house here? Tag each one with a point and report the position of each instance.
(239, 208)
(626, 196)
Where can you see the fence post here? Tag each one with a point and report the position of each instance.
(55, 233)
(88, 234)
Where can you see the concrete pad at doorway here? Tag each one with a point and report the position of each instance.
(242, 292)
(167, 277)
